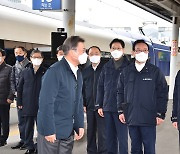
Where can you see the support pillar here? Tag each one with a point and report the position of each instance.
(69, 16)
(174, 52)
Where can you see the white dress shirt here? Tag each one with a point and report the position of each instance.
(95, 67)
(139, 67)
(73, 68)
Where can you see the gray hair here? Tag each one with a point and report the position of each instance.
(71, 43)
(36, 51)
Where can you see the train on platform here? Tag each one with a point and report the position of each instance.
(20, 26)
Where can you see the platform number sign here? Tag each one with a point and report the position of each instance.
(47, 1)
(47, 4)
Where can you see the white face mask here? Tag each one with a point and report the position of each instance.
(95, 59)
(117, 54)
(141, 57)
(59, 57)
(36, 61)
(83, 58)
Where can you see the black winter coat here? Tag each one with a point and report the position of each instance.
(5, 90)
(28, 90)
(90, 80)
(107, 86)
(142, 96)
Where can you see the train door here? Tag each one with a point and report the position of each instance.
(162, 57)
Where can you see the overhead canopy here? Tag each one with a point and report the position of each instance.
(162, 8)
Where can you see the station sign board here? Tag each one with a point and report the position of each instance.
(174, 48)
(47, 4)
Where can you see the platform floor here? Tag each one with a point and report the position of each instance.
(167, 139)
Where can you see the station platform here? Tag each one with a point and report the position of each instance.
(79, 146)
(167, 139)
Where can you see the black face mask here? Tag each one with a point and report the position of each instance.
(20, 58)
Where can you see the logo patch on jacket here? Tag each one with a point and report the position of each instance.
(147, 79)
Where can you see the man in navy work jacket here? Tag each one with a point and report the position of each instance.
(106, 103)
(176, 105)
(28, 96)
(142, 99)
(60, 101)
(95, 123)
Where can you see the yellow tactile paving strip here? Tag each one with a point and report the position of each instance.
(14, 130)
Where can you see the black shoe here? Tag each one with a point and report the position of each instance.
(23, 147)
(3, 144)
(20, 144)
(31, 151)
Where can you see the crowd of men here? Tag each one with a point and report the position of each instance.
(120, 97)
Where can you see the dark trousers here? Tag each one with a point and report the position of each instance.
(117, 134)
(142, 136)
(21, 125)
(29, 131)
(4, 122)
(63, 146)
(95, 127)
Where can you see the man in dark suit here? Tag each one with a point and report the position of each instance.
(95, 123)
(59, 53)
(21, 63)
(60, 102)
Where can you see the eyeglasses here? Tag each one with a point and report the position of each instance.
(75, 49)
(116, 48)
(138, 51)
(37, 57)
